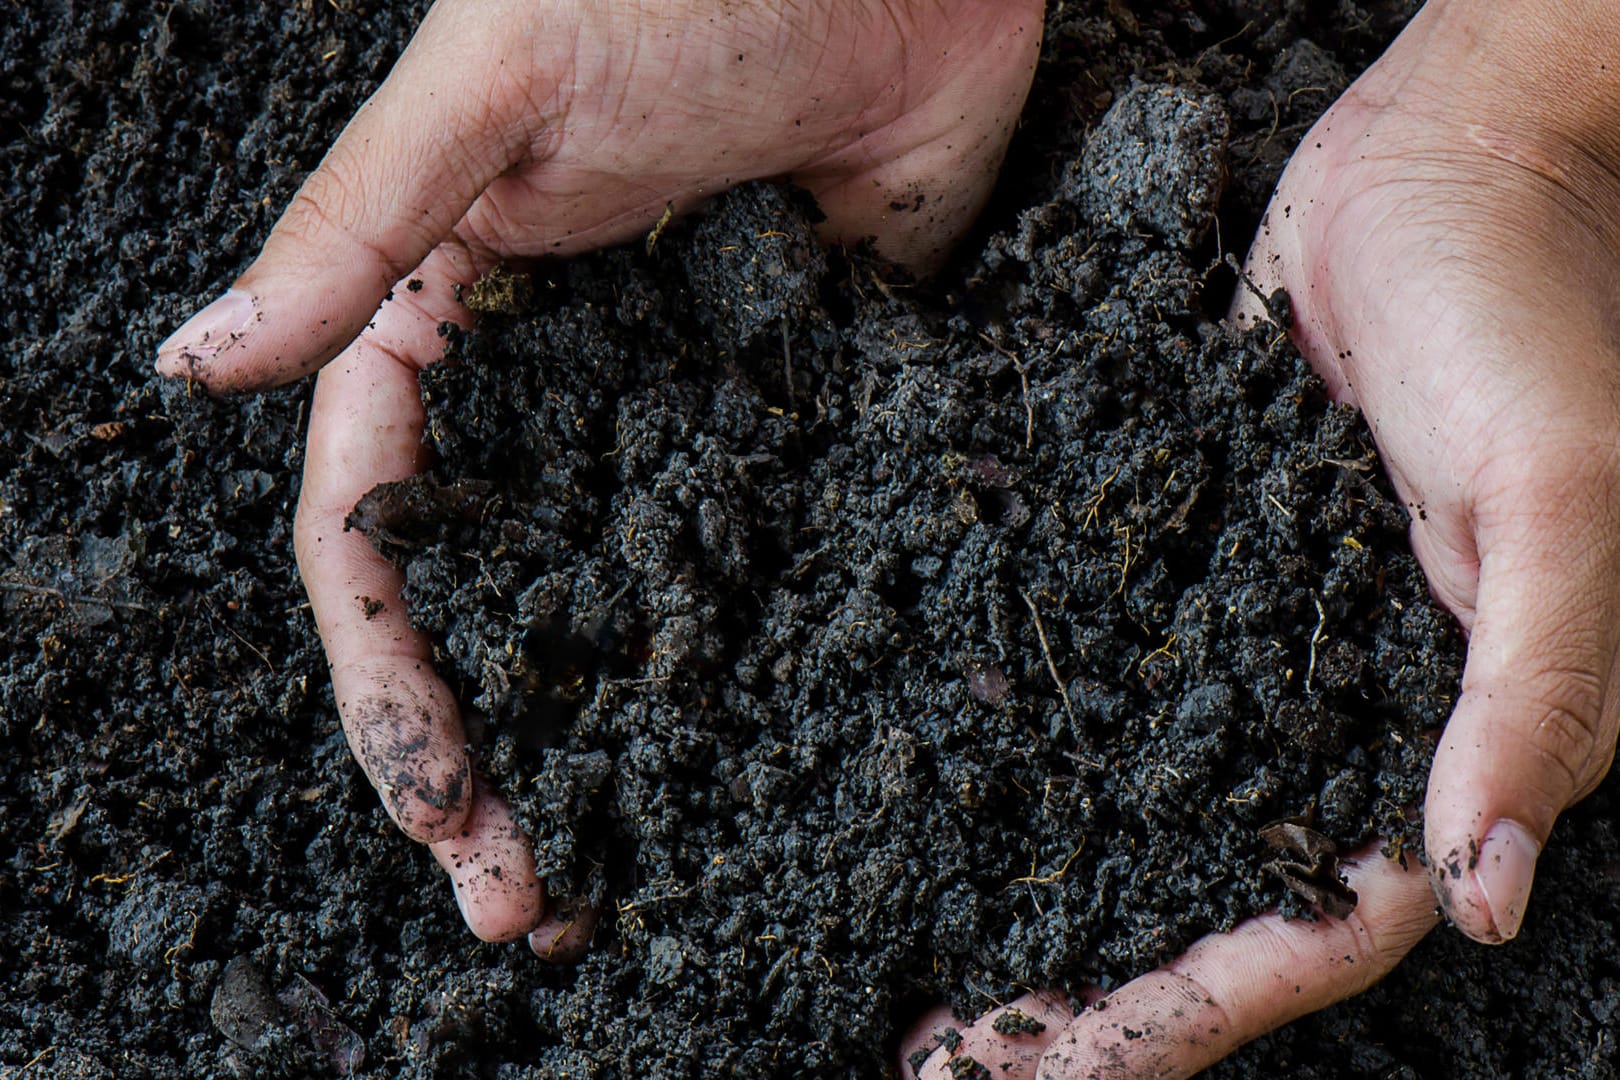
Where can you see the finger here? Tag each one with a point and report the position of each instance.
(918, 204)
(392, 187)
(365, 428)
(1274, 244)
(491, 866)
(1534, 727)
(1230, 988)
(565, 935)
(1276, 260)
(1028, 1026)
(921, 1041)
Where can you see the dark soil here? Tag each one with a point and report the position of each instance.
(851, 643)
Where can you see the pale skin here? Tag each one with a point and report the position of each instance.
(1452, 247)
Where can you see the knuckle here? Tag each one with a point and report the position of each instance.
(1198, 995)
(1564, 744)
(488, 229)
(1565, 735)
(307, 533)
(1585, 481)
(1553, 480)
(1371, 955)
(308, 520)
(1360, 951)
(328, 200)
(1575, 691)
(345, 200)
(315, 525)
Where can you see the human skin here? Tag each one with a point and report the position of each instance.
(1449, 236)
(1448, 233)
(1222, 992)
(518, 128)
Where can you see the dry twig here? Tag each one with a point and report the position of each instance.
(1051, 664)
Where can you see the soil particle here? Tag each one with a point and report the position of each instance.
(244, 1008)
(1017, 1022)
(406, 514)
(294, 1032)
(1158, 162)
(501, 291)
(963, 1067)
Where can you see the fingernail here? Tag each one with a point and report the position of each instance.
(1505, 869)
(219, 325)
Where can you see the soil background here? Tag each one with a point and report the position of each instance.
(744, 615)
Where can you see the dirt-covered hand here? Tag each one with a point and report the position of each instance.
(1222, 992)
(1450, 236)
(513, 129)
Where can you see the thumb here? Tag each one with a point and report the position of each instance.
(1534, 728)
(393, 186)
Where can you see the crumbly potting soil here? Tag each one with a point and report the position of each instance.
(850, 643)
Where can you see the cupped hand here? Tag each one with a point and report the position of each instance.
(512, 129)
(1449, 234)
(1222, 992)
(1449, 237)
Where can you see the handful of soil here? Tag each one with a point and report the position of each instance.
(852, 644)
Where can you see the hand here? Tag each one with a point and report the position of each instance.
(1449, 235)
(511, 129)
(1222, 992)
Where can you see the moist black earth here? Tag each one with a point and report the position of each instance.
(850, 642)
